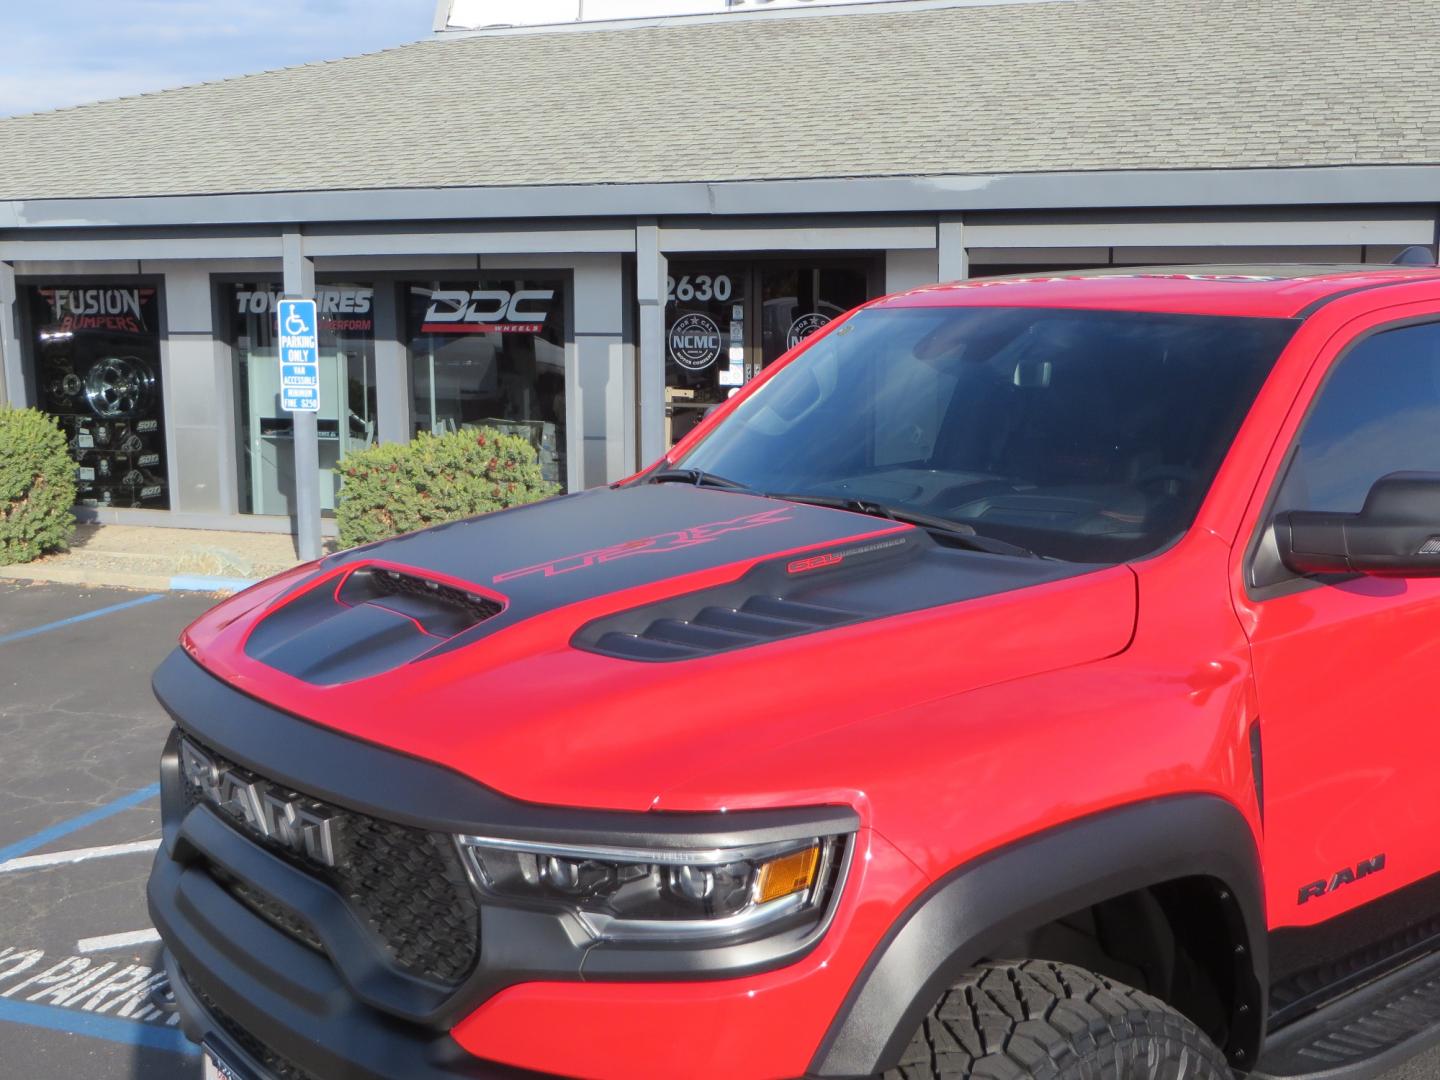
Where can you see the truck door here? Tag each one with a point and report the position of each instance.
(1348, 668)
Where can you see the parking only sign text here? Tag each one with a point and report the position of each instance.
(299, 335)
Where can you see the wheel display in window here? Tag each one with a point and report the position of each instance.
(96, 357)
(118, 387)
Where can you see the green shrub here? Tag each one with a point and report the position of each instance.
(399, 487)
(37, 486)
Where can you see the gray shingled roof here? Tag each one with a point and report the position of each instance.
(1085, 85)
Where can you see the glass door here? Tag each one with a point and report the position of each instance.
(726, 320)
(705, 320)
(798, 299)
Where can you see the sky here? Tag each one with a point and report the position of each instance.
(55, 53)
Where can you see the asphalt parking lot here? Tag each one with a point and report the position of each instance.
(79, 820)
(80, 736)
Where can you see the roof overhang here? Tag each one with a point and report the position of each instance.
(471, 18)
(1347, 185)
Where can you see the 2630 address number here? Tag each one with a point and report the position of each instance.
(701, 287)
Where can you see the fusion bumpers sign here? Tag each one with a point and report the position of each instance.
(299, 335)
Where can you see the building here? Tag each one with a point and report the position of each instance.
(589, 232)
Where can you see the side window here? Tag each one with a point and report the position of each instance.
(1378, 413)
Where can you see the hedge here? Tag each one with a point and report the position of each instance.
(37, 486)
(400, 487)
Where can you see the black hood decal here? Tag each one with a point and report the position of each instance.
(571, 549)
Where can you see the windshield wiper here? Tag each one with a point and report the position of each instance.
(954, 531)
(700, 478)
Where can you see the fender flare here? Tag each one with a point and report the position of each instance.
(984, 903)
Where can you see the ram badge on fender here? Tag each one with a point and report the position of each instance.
(1028, 678)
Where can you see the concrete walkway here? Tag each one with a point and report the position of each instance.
(139, 557)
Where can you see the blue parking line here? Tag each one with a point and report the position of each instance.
(19, 634)
(75, 824)
(109, 1028)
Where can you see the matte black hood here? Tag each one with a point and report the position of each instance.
(578, 547)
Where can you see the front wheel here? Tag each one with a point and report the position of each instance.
(1037, 1020)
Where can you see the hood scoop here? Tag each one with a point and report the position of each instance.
(367, 619)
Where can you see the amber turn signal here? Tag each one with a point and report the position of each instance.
(786, 875)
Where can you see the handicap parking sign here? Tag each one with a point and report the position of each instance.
(299, 335)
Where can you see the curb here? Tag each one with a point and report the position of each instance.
(201, 583)
(103, 579)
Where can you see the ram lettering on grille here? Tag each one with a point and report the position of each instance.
(260, 806)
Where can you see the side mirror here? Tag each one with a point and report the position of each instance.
(1396, 534)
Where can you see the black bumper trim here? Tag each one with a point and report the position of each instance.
(342, 1048)
(288, 997)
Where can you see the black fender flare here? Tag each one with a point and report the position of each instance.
(980, 905)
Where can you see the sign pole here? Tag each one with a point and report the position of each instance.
(300, 284)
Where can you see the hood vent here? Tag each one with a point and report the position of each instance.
(809, 591)
(757, 620)
(364, 621)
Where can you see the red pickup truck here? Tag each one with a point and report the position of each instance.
(1023, 678)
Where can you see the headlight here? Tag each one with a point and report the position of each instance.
(634, 894)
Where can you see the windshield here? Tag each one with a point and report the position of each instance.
(1090, 436)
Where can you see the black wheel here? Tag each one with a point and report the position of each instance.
(1036, 1020)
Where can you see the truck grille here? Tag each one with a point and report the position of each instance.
(275, 1065)
(406, 883)
(273, 912)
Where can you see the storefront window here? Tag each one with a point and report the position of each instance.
(97, 365)
(347, 391)
(491, 353)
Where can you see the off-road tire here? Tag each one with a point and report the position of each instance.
(1036, 1020)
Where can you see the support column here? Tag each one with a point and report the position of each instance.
(300, 284)
(199, 395)
(392, 369)
(954, 256)
(910, 269)
(601, 420)
(12, 367)
(650, 269)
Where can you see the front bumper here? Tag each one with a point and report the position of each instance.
(276, 1006)
(338, 1044)
(538, 1002)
